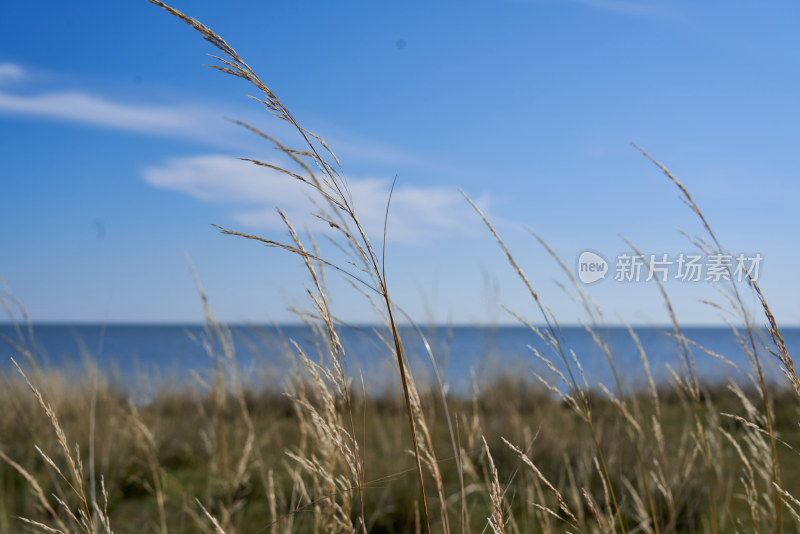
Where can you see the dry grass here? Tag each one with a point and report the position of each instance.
(528, 462)
(546, 455)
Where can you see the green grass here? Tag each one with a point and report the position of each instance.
(194, 463)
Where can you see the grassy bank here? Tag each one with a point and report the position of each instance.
(259, 461)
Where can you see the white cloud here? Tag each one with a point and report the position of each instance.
(90, 109)
(350, 149)
(417, 214)
(198, 122)
(11, 72)
(416, 211)
(183, 122)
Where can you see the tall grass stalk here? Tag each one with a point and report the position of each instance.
(332, 189)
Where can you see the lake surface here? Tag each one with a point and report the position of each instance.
(163, 355)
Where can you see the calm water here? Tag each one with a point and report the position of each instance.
(148, 354)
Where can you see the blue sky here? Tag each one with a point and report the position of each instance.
(116, 159)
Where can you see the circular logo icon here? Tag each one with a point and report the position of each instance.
(591, 267)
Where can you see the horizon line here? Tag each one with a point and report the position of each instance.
(239, 324)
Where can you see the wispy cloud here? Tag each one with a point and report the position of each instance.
(10, 72)
(418, 213)
(86, 108)
(350, 149)
(199, 122)
(183, 122)
(206, 124)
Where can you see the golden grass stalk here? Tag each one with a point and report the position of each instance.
(88, 517)
(562, 504)
(782, 354)
(332, 189)
(496, 520)
(580, 395)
